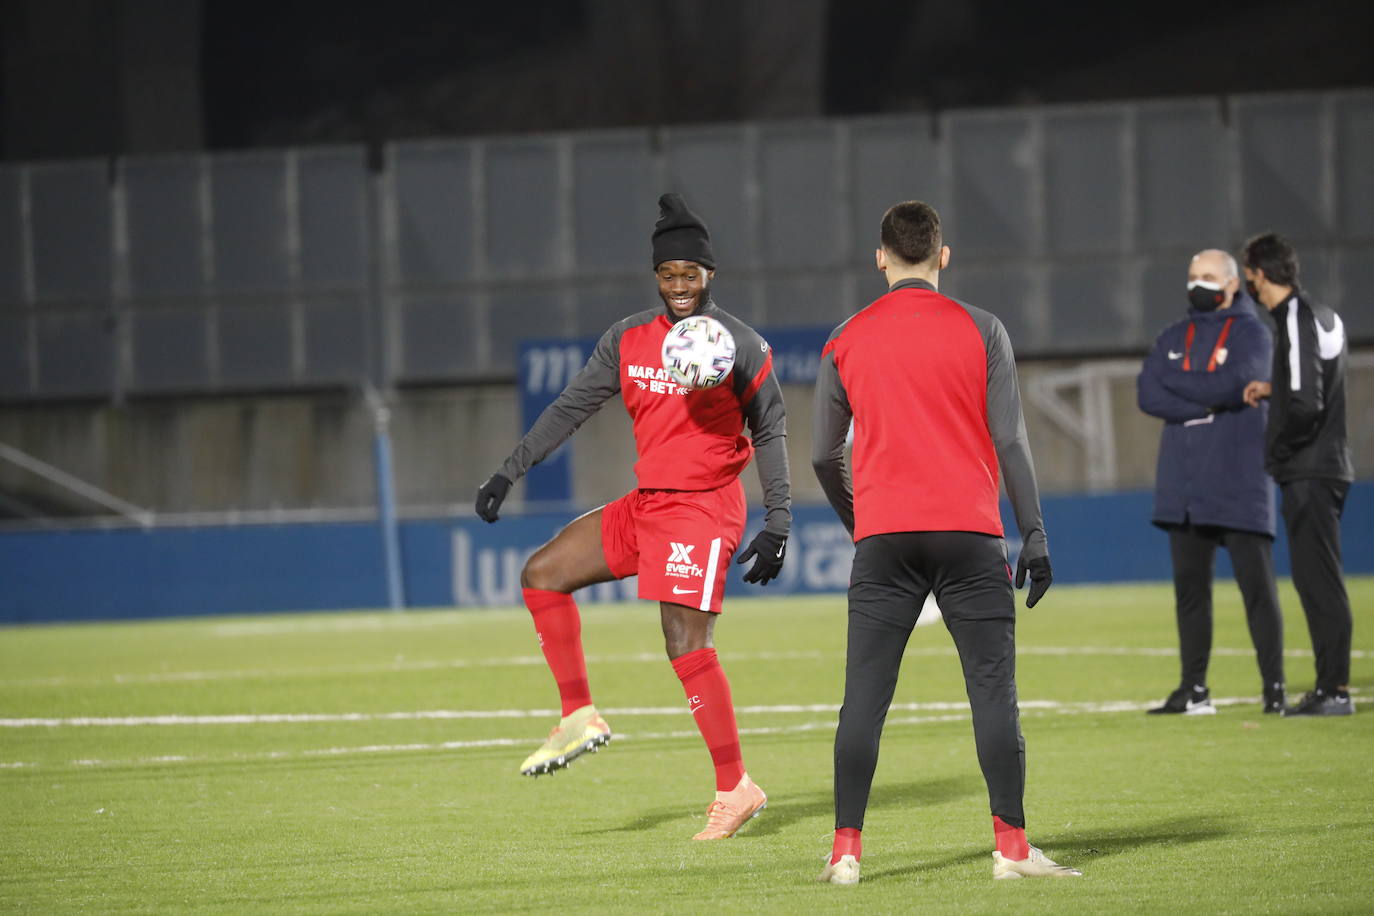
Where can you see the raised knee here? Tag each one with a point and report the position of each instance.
(539, 573)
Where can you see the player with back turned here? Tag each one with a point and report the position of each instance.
(678, 529)
(930, 384)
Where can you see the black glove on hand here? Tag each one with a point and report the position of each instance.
(1040, 576)
(490, 495)
(766, 550)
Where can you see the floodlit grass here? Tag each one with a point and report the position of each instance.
(367, 808)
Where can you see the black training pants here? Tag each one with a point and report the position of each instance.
(1193, 550)
(1312, 513)
(892, 575)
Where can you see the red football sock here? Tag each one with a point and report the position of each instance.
(848, 842)
(708, 696)
(1011, 841)
(559, 628)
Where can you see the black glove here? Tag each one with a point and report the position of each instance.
(490, 495)
(766, 550)
(1040, 576)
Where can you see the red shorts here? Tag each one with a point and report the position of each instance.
(679, 542)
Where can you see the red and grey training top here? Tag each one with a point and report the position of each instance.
(686, 439)
(930, 383)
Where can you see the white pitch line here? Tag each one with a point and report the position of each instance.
(398, 666)
(517, 661)
(457, 745)
(371, 622)
(613, 711)
(1034, 707)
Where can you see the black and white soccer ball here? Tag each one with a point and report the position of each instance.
(699, 352)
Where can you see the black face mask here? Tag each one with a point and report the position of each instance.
(1251, 291)
(1203, 298)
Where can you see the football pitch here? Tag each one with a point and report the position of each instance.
(367, 762)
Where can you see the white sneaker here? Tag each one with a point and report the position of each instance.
(845, 871)
(1035, 865)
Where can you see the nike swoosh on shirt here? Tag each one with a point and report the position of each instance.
(1173, 355)
(683, 591)
(1330, 343)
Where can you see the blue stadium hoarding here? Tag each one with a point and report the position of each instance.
(131, 573)
(545, 368)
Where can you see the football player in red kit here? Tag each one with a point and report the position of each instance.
(679, 527)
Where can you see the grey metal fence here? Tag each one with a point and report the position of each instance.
(301, 268)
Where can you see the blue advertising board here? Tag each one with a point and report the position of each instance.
(463, 562)
(546, 367)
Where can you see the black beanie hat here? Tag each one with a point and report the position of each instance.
(680, 234)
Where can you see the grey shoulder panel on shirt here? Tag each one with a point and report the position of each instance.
(751, 350)
(839, 328)
(597, 382)
(986, 322)
(766, 417)
(635, 320)
(1007, 427)
(831, 414)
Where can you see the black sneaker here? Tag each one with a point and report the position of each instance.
(1275, 699)
(1321, 703)
(1187, 701)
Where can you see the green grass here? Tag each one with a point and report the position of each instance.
(1234, 813)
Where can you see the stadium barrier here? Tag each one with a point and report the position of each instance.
(119, 573)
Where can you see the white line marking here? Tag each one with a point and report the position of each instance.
(399, 665)
(402, 666)
(417, 621)
(612, 711)
(1034, 707)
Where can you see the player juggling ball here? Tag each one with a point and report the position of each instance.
(679, 527)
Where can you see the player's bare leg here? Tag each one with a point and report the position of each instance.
(572, 559)
(687, 638)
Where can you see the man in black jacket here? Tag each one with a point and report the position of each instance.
(1211, 488)
(1307, 453)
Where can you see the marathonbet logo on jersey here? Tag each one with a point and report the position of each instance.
(680, 562)
(656, 380)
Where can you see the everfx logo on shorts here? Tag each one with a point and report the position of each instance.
(680, 561)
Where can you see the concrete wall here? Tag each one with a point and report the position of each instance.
(315, 452)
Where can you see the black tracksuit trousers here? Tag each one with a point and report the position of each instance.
(1193, 550)
(1312, 510)
(892, 575)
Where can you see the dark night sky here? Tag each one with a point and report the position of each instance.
(150, 76)
(367, 68)
(273, 60)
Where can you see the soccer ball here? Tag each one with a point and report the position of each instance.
(699, 352)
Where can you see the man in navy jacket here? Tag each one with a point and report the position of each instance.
(1211, 488)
